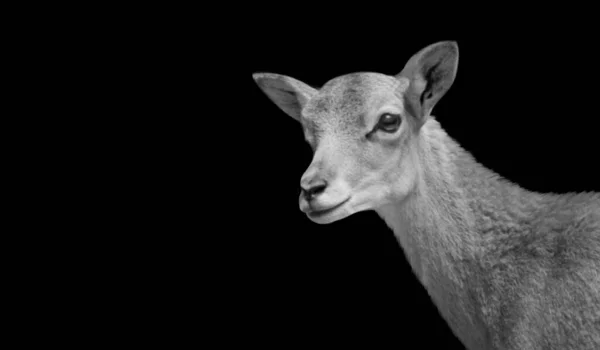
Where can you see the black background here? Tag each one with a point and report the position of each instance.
(522, 104)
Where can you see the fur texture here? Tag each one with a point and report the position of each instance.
(506, 267)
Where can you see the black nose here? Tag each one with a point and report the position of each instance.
(314, 189)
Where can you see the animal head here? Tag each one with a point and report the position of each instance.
(364, 129)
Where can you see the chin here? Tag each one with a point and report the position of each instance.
(325, 215)
(328, 217)
(339, 212)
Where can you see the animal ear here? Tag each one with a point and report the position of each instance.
(288, 93)
(431, 72)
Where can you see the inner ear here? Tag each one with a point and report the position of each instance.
(289, 94)
(432, 76)
(431, 72)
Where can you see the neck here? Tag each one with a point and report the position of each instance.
(443, 222)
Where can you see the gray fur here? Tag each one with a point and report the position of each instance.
(511, 269)
(507, 268)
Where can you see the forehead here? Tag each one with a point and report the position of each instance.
(347, 99)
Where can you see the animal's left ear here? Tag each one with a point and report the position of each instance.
(431, 72)
(288, 93)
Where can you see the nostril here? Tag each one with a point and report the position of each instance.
(314, 190)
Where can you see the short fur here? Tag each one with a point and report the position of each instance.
(506, 267)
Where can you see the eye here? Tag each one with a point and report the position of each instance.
(389, 122)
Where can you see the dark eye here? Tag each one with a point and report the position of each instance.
(389, 122)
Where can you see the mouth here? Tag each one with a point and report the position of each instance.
(320, 213)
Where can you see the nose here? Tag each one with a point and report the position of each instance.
(313, 188)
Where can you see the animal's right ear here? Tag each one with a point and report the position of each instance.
(289, 94)
(431, 72)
